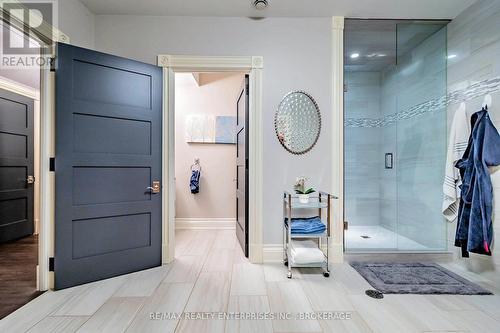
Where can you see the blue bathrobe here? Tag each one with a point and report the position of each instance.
(474, 227)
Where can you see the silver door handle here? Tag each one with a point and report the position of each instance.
(151, 190)
(156, 188)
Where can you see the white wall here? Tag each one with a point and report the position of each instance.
(297, 53)
(76, 21)
(474, 37)
(216, 96)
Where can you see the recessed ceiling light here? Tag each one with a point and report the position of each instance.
(451, 56)
(260, 4)
(354, 55)
(381, 55)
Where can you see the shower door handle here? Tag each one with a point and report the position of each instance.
(388, 161)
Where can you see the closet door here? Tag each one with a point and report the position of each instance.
(242, 166)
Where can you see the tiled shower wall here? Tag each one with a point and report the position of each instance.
(474, 38)
(362, 149)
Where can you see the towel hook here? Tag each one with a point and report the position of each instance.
(196, 164)
(487, 101)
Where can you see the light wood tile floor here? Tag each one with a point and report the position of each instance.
(210, 277)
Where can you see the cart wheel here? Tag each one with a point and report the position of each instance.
(289, 275)
(326, 274)
(285, 262)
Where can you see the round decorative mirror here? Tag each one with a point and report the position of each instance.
(297, 122)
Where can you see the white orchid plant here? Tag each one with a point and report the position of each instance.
(300, 186)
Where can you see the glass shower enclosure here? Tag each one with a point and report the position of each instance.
(394, 135)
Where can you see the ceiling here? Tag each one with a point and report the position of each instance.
(402, 9)
(380, 42)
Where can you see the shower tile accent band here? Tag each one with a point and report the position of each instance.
(434, 105)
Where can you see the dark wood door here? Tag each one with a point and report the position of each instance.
(16, 166)
(242, 166)
(108, 152)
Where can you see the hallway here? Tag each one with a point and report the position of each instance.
(18, 260)
(210, 275)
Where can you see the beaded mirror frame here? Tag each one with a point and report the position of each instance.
(297, 122)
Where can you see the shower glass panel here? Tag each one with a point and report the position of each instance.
(395, 135)
(421, 135)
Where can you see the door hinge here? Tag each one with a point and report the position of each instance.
(51, 264)
(346, 225)
(53, 64)
(52, 164)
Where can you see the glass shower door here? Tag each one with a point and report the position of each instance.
(420, 135)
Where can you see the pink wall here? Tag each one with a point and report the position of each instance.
(216, 95)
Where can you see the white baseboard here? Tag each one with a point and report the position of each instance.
(272, 253)
(205, 223)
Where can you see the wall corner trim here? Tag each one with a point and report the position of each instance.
(337, 126)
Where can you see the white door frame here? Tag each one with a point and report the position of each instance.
(47, 178)
(179, 63)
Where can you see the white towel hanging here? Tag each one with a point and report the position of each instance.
(459, 138)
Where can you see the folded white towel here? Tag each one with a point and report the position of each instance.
(305, 252)
(457, 144)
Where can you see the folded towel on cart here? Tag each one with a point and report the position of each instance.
(306, 225)
(305, 252)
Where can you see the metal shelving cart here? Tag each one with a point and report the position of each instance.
(320, 202)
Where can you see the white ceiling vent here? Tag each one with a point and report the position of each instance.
(260, 4)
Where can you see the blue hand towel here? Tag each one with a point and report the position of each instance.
(308, 225)
(194, 183)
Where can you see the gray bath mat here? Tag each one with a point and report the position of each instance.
(415, 278)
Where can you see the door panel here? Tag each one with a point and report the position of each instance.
(16, 163)
(108, 151)
(242, 166)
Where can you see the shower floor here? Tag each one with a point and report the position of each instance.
(378, 238)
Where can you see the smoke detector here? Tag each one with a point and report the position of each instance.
(260, 4)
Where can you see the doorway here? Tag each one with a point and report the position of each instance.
(19, 186)
(253, 65)
(210, 145)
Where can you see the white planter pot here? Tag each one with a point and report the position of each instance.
(304, 198)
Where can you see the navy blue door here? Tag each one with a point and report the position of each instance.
(16, 166)
(108, 156)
